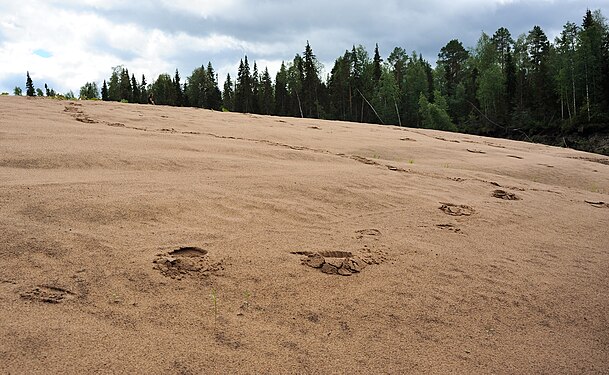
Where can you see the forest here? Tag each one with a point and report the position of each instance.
(526, 87)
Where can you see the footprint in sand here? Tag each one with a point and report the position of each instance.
(502, 194)
(342, 263)
(363, 233)
(347, 263)
(47, 294)
(456, 210)
(186, 261)
(449, 227)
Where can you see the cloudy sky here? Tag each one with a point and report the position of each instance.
(66, 43)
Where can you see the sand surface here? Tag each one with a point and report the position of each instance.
(159, 240)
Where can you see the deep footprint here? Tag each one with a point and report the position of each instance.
(456, 210)
(186, 261)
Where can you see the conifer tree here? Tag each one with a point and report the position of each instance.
(214, 95)
(135, 93)
(29, 86)
(114, 84)
(376, 61)
(104, 91)
(243, 92)
(228, 94)
(143, 91)
(310, 83)
(125, 86)
(265, 94)
(255, 89)
(178, 95)
(281, 91)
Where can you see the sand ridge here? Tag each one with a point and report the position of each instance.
(151, 239)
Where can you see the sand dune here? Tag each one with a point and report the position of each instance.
(158, 240)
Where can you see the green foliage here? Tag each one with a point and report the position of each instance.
(228, 95)
(163, 90)
(89, 91)
(17, 91)
(104, 92)
(435, 115)
(524, 88)
(243, 88)
(49, 91)
(201, 89)
(39, 92)
(29, 86)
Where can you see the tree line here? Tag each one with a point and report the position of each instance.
(526, 87)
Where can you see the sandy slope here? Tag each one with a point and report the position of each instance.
(96, 197)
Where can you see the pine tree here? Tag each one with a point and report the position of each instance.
(265, 94)
(339, 89)
(178, 95)
(104, 92)
(135, 94)
(125, 86)
(228, 94)
(29, 86)
(114, 84)
(214, 95)
(143, 91)
(503, 42)
(540, 79)
(281, 91)
(310, 83)
(196, 87)
(376, 61)
(255, 89)
(243, 92)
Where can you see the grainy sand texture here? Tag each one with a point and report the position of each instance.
(156, 240)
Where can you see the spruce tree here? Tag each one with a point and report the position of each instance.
(135, 95)
(214, 95)
(29, 86)
(104, 91)
(255, 89)
(178, 100)
(265, 93)
(228, 94)
(376, 61)
(281, 91)
(310, 83)
(125, 86)
(143, 91)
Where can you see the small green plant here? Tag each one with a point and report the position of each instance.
(246, 299)
(115, 298)
(411, 161)
(594, 188)
(446, 165)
